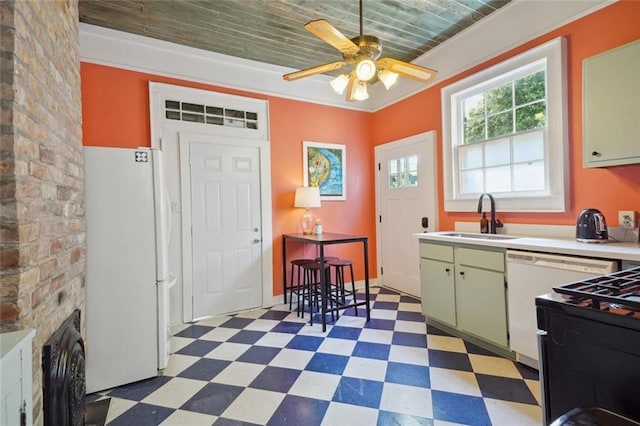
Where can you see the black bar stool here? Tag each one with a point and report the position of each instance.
(295, 287)
(341, 292)
(311, 289)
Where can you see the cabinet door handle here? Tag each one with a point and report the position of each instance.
(596, 154)
(462, 273)
(447, 270)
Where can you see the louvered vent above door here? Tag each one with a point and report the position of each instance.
(212, 115)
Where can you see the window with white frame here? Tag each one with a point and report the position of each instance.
(403, 172)
(504, 132)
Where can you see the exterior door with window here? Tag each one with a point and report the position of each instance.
(407, 193)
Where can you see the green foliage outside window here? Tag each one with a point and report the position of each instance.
(513, 107)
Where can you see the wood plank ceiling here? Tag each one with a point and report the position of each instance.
(272, 32)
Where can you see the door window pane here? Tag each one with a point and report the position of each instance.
(403, 172)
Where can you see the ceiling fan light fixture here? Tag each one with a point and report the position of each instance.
(365, 69)
(360, 91)
(387, 78)
(340, 83)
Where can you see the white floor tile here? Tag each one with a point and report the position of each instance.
(443, 423)
(337, 346)
(454, 381)
(228, 351)
(292, 358)
(349, 321)
(494, 366)
(513, 413)
(385, 297)
(255, 313)
(446, 343)
(410, 327)
(262, 325)
(220, 334)
(409, 355)
(254, 406)
(275, 340)
(177, 328)
(188, 418)
(387, 314)
(118, 406)
(214, 321)
(178, 363)
(177, 343)
(376, 336)
(239, 374)
(339, 414)
(410, 307)
(365, 368)
(175, 392)
(315, 385)
(407, 400)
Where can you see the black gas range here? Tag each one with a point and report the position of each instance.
(589, 343)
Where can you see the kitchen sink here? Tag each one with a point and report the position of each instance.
(477, 236)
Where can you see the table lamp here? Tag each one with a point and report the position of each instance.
(307, 197)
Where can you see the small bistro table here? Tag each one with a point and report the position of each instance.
(321, 241)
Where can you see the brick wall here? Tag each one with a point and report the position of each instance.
(42, 237)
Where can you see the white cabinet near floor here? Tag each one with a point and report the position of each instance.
(15, 378)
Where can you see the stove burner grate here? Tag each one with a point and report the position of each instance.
(618, 288)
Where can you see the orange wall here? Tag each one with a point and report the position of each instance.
(116, 113)
(608, 189)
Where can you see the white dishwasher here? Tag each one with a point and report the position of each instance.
(532, 274)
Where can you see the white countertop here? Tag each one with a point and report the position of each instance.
(610, 250)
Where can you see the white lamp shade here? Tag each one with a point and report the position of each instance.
(307, 196)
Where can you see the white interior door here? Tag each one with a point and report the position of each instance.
(406, 193)
(225, 220)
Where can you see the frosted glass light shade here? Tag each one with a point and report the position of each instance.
(387, 78)
(365, 70)
(340, 83)
(360, 91)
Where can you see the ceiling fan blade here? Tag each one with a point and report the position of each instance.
(314, 70)
(351, 88)
(407, 69)
(322, 29)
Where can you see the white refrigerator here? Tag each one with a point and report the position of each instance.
(128, 281)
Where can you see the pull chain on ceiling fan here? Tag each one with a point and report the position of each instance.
(363, 54)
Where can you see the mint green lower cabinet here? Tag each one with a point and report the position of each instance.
(463, 288)
(438, 290)
(481, 303)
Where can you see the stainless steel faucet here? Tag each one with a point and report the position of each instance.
(493, 223)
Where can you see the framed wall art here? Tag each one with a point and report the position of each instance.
(325, 165)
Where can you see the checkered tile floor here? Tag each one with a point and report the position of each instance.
(269, 367)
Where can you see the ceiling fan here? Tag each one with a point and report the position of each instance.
(362, 53)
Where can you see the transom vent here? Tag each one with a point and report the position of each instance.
(215, 115)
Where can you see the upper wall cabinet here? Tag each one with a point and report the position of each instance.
(611, 107)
